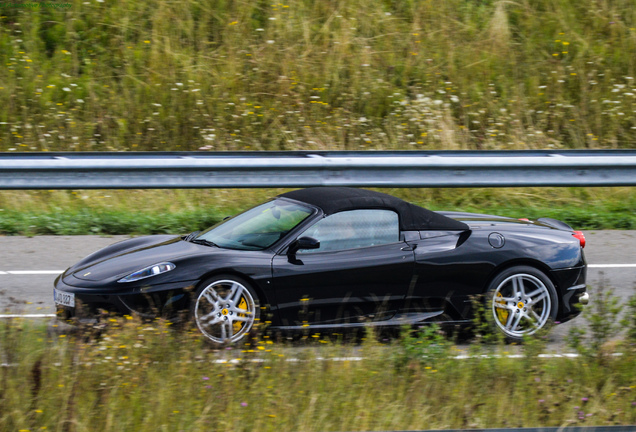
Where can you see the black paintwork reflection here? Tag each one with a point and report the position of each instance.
(344, 286)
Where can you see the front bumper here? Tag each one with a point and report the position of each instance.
(146, 301)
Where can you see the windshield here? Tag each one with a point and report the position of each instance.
(259, 227)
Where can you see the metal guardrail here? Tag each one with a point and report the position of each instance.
(166, 170)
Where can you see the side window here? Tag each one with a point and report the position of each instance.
(354, 229)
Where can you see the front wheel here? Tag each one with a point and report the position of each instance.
(226, 309)
(522, 301)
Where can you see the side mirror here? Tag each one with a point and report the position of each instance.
(303, 243)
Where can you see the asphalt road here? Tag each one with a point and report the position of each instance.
(23, 291)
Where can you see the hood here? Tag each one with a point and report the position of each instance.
(126, 257)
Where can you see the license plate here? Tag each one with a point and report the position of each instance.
(64, 298)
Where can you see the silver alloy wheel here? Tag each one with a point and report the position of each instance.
(521, 305)
(225, 311)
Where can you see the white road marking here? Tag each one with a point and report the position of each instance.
(32, 272)
(56, 272)
(358, 359)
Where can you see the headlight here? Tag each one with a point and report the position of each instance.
(152, 270)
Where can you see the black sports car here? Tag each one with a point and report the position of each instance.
(329, 258)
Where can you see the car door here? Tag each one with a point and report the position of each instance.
(361, 271)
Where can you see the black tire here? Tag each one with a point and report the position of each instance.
(225, 309)
(521, 300)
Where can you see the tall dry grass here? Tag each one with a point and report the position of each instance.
(360, 74)
(134, 375)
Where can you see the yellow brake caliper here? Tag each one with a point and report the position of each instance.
(502, 314)
(238, 325)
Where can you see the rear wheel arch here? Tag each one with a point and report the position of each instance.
(538, 265)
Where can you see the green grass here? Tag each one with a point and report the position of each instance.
(147, 376)
(126, 374)
(352, 75)
(359, 74)
(104, 222)
(183, 211)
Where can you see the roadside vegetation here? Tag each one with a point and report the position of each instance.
(305, 75)
(354, 75)
(182, 211)
(127, 374)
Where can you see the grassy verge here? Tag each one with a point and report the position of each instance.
(358, 74)
(181, 211)
(127, 374)
(355, 75)
(146, 376)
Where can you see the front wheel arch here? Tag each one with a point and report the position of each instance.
(262, 297)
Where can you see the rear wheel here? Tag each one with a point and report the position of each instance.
(522, 301)
(226, 309)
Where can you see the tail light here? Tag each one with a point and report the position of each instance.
(580, 236)
(524, 219)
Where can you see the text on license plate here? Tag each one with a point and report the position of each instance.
(64, 298)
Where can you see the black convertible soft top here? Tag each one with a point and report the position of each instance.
(336, 199)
